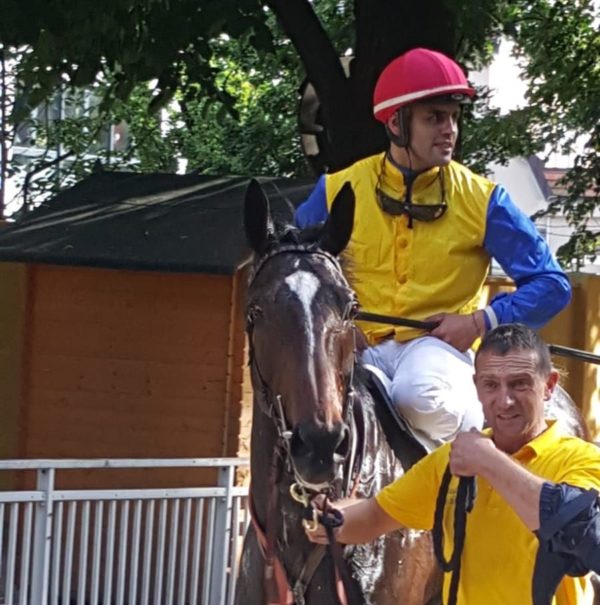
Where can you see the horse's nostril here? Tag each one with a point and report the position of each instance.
(298, 446)
(308, 441)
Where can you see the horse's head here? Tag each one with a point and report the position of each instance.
(301, 336)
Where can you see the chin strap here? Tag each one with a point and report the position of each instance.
(403, 120)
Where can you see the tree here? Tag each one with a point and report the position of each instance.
(175, 42)
(559, 43)
(190, 127)
(7, 129)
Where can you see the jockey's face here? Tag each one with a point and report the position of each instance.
(433, 134)
(513, 392)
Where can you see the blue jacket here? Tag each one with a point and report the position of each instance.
(570, 524)
(569, 537)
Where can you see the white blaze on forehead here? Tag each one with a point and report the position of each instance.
(305, 285)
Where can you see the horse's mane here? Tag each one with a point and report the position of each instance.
(287, 234)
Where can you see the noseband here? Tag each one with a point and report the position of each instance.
(278, 587)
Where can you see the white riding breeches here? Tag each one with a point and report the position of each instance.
(431, 385)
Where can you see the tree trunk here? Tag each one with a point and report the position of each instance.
(384, 30)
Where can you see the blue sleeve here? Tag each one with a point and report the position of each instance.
(570, 524)
(512, 239)
(314, 210)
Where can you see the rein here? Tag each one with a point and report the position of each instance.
(278, 589)
(559, 350)
(465, 499)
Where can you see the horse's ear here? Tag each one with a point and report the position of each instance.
(338, 228)
(258, 224)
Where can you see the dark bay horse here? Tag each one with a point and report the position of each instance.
(315, 427)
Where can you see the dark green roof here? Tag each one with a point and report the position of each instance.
(166, 222)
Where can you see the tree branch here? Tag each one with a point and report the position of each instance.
(319, 56)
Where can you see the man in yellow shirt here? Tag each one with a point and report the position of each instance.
(514, 462)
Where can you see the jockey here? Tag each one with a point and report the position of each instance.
(425, 230)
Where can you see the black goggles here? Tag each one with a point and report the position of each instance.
(425, 213)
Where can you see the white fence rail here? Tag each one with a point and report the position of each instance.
(122, 546)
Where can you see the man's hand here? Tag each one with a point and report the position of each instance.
(319, 534)
(364, 520)
(474, 454)
(460, 331)
(470, 453)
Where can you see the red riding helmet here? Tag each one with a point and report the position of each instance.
(418, 74)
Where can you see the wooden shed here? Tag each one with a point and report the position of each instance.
(121, 319)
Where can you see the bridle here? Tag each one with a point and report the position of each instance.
(274, 407)
(278, 588)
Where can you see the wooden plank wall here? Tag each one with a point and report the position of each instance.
(130, 364)
(13, 304)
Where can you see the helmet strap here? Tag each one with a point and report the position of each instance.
(402, 139)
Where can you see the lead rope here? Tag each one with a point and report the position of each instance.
(332, 518)
(465, 499)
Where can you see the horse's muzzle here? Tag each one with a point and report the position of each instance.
(318, 451)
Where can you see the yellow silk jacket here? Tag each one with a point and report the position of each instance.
(419, 270)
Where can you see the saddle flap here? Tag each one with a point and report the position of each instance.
(403, 439)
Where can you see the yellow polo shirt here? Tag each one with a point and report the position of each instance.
(499, 553)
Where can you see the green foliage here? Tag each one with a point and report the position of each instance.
(255, 134)
(559, 44)
(261, 137)
(505, 136)
(132, 41)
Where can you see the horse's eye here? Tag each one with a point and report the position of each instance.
(351, 310)
(252, 314)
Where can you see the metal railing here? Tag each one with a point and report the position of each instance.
(121, 546)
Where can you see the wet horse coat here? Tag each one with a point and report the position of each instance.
(314, 421)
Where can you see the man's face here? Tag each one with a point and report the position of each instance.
(433, 133)
(513, 392)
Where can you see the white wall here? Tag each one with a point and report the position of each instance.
(520, 182)
(508, 93)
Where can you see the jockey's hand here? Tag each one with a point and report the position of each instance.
(460, 331)
(469, 453)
